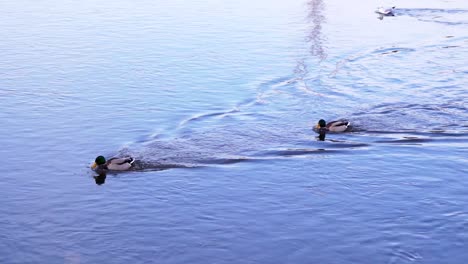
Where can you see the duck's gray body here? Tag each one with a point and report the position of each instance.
(338, 126)
(120, 164)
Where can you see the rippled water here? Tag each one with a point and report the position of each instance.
(217, 101)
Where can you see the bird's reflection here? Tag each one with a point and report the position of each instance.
(101, 178)
(322, 135)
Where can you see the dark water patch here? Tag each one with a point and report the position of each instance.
(392, 50)
(346, 145)
(389, 52)
(445, 133)
(330, 146)
(224, 161)
(295, 152)
(140, 165)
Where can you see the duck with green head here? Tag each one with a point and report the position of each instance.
(334, 126)
(113, 164)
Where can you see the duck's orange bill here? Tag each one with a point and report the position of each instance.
(94, 165)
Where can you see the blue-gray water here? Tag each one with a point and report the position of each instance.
(216, 99)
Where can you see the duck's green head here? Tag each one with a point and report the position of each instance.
(100, 160)
(321, 123)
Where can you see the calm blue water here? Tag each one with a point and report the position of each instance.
(216, 100)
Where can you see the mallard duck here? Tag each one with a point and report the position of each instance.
(385, 11)
(113, 164)
(333, 126)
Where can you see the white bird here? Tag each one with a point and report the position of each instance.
(385, 11)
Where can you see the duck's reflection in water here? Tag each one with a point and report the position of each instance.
(101, 178)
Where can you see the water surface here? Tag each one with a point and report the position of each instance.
(217, 101)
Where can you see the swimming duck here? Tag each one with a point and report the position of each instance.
(385, 11)
(333, 126)
(113, 164)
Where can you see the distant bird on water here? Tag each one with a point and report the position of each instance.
(385, 11)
